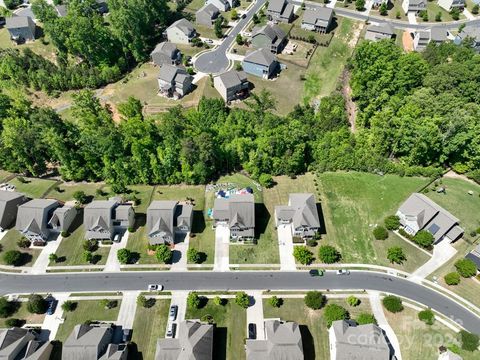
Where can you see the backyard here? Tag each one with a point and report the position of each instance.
(32, 187)
(66, 190)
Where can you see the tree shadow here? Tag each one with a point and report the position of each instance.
(198, 225)
(307, 342)
(77, 222)
(323, 227)
(140, 220)
(262, 217)
(133, 352)
(96, 258)
(176, 256)
(24, 259)
(203, 302)
(220, 341)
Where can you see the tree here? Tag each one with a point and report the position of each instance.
(53, 257)
(80, 197)
(427, 316)
(12, 4)
(217, 300)
(398, 14)
(360, 5)
(365, 318)
(455, 13)
(87, 256)
(392, 222)
(380, 233)
(423, 238)
(469, 341)
(242, 299)
(302, 255)
(217, 27)
(452, 278)
(193, 300)
(239, 40)
(69, 306)
(255, 19)
(108, 304)
(383, 9)
(328, 254)
(194, 256)
(163, 253)
(392, 303)
(124, 256)
(314, 300)
(13, 257)
(438, 17)
(12, 322)
(334, 312)
(36, 304)
(466, 268)
(266, 180)
(275, 301)
(142, 301)
(24, 243)
(234, 14)
(475, 9)
(90, 245)
(6, 307)
(353, 300)
(396, 255)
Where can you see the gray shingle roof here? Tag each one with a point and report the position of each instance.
(261, 57)
(160, 215)
(273, 32)
(98, 214)
(32, 215)
(232, 78)
(183, 25)
(61, 10)
(165, 47)
(385, 28)
(319, 14)
(169, 72)
(16, 22)
(276, 5)
(438, 34)
(210, 9)
(11, 340)
(83, 342)
(238, 210)
(10, 195)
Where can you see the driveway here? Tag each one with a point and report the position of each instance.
(52, 322)
(113, 264)
(179, 298)
(128, 307)
(41, 264)
(255, 313)
(442, 252)
(222, 243)
(179, 260)
(285, 248)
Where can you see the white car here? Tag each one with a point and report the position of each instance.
(208, 41)
(116, 238)
(343, 272)
(155, 287)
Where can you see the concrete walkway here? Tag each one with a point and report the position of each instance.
(377, 310)
(255, 313)
(179, 259)
(412, 18)
(128, 307)
(41, 264)
(331, 4)
(52, 322)
(468, 14)
(285, 248)
(113, 265)
(3, 234)
(442, 252)
(179, 298)
(222, 242)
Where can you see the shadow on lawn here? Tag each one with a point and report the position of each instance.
(262, 217)
(307, 342)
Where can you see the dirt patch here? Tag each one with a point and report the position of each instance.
(407, 41)
(350, 105)
(453, 175)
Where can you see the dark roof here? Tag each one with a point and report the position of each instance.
(232, 78)
(385, 28)
(169, 72)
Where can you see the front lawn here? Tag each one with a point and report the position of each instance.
(34, 188)
(9, 242)
(230, 330)
(433, 9)
(22, 313)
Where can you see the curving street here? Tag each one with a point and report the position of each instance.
(254, 280)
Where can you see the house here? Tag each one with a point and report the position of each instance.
(87, 342)
(283, 340)
(451, 4)
(21, 28)
(166, 53)
(418, 212)
(62, 219)
(194, 340)
(377, 3)
(221, 5)
(207, 15)
(269, 37)
(317, 19)
(104, 218)
(232, 85)
(20, 344)
(61, 10)
(181, 32)
(469, 33)
(474, 255)
(379, 32)
(280, 10)
(261, 63)
(414, 6)
(421, 40)
(165, 217)
(9, 203)
(301, 213)
(438, 35)
(237, 213)
(361, 342)
(174, 81)
(448, 355)
(33, 219)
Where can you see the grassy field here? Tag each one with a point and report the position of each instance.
(9, 242)
(85, 310)
(34, 188)
(352, 203)
(230, 330)
(150, 324)
(420, 341)
(23, 314)
(312, 323)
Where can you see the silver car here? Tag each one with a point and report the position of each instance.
(172, 315)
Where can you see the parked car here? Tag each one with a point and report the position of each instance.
(171, 330)
(316, 272)
(116, 238)
(208, 41)
(343, 272)
(155, 287)
(252, 331)
(244, 16)
(52, 304)
(173, 313)
(126, 335)
(2, 21)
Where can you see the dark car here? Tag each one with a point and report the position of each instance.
(252, 331)
(126, 335)
(244, 16)
(52, 304)
(316, 272)
(2, 20)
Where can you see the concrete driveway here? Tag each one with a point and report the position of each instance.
(128, 307)
(285, 248)
(442, 252)
(179, 260)
(255, 313)
(112, 261)
(222, 243)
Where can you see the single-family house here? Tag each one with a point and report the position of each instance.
(21, 28)
(87, 342)
(451, 4)
(379, 32)
(361, 342)
(237, 213)
(232, 85)
(104, 218)
(469, 33)
(438, 35)
(9, 203)
(301, 213)
(377, 3)
(166, 53)
(194, 340)
(474, 255)
(261, 63)
(421, 40)
(62, 218)
(449, 355)
(33, 217)
(283, 340)
(20, 344)
(174, 81)
(317, 19)
(280, 10)
(165, 217)
(269, 37)
(181, 32)
(61, 10)
(221, 5)
(414, 6)
(418, 212)
(207, 15)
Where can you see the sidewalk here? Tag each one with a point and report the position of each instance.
(113, 264)
(468, 14)
(179, 259)
(285, 248)
(222, 242)
(412, 18)
(377, 309)
(442, 252)
(255, 314)
(128, 307)
(41, 264)
(52, 322)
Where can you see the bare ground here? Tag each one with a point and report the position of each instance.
(350, 106)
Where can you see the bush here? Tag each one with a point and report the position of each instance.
(392, 222)
(469, 341)
(194, 256)
(109, 304)
(380, 233)
(69, 306)
(36, 304)
(359, 5)
(334, 312)
(452, 278)
(217, 300)
(302, 255)
(90, 245)
(314, 300)
(14, 322)
(353, 300)
(242, 299)
(24, 243)
(328, 254)
(163, 253)
(193, 300)
(124, 256)
(6, 307)
(65, 234)
(423, 238)
(438, 17)
(80, 197)
(383, 9)
(312, 242)
(365, 318)
(239, 40)
(275, 301)
(392, 303)
(266, 180)
(475, 9)
(466, 268)
(13, 257)
(53, 257)
(396, 255)
(87, 256)
(11, 5)
(427, 316)
(455, 13)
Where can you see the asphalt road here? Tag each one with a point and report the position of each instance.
(255, 280)
(216, 61)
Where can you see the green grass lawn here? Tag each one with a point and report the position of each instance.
(85, 310)
(194, 6)
(394, 8)
(433, 9)
(45, 49)
(23, 314)
(206, 32)
(9, 242)
(150, 324)
(230, 330)
(352, 203)
(312, 323)
(34, 188)
(67, 190)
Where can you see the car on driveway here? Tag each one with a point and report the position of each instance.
(343, 272)
(208, 41)
(252, 331)
(316, 272)
(172, 315)
(126, 335)
(155, 287)
(171, 330)
(51, 305)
